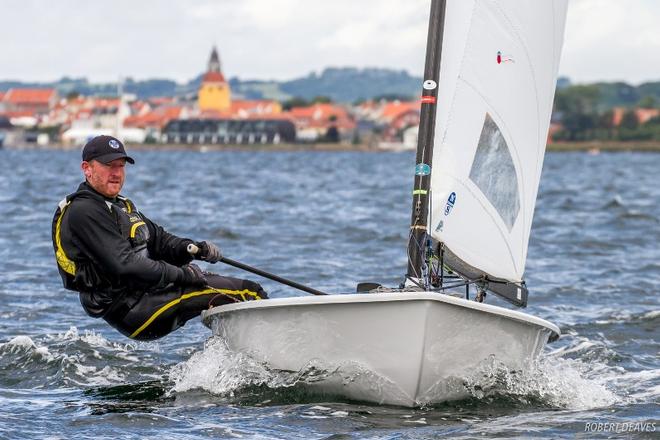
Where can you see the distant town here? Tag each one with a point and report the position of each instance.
(215, 114)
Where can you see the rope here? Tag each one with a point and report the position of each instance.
(218, 292)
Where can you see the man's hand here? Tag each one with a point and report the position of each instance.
(192, 275)
(208, 252)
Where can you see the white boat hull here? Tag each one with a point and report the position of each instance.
(407, 349)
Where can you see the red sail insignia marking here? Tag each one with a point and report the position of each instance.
(504, 58)
(428, 99)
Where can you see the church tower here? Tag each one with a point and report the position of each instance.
(214, 93)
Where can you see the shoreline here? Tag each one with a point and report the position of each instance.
(592, 147)
(609, 146)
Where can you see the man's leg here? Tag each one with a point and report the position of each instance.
(155, 314)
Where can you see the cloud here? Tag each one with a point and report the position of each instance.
(284, 39)
(612, 40)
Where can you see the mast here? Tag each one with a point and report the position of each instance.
(423, 162)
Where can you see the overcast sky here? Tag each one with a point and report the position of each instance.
(43, 40)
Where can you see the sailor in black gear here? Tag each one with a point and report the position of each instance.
(127, 269)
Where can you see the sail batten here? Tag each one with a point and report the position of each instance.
(496, 88)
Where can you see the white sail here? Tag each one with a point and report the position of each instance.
(497, 82)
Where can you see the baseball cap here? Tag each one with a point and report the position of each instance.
(105, 149)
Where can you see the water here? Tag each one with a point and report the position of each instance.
(328, 220)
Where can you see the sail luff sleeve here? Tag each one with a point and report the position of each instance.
(424, 157)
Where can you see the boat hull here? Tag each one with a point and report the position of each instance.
(405, 349)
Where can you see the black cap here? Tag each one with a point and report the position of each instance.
(105, 149)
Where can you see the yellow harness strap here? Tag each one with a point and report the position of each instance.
(63, 260)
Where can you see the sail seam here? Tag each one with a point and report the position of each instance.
(458, 77)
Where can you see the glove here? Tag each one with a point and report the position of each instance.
(192, 275)
(208, 252)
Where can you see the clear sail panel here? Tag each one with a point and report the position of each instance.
(494, 173)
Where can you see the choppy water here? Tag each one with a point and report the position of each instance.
(328, 220)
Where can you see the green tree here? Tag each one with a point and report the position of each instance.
(605, 125)
(321, 100)
(647, 102)
(294, 102)
(630, 129)
(629, 120)
(653, 127)
(577, 107)
(389, 97)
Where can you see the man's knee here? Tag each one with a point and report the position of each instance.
(256, 289)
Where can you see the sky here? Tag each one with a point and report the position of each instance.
(44, 40)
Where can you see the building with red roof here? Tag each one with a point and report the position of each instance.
(35, 101)
(314, 122)
(643, 114)
(157, 118)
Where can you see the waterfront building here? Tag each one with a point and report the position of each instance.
(396, 122)
(25, 106)
(322, 122)
(83, 118)
(229, 131)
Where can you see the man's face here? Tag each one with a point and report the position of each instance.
(107, 179)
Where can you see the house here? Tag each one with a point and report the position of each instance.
(319, 120)
(98, 115)
(397, 117)
(35, 101)
(397, 122)
(153, 121)
(262, 107)
(643, 114)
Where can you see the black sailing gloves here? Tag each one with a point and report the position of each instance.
(208, 252)
(192, 275)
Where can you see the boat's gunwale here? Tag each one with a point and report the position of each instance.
(381, 297)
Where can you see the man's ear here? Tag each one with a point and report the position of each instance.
(86, 169)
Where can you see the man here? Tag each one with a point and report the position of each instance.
(126, 268)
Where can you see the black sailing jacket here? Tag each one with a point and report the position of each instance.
(105, 249)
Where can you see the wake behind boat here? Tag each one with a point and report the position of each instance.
(489, 82)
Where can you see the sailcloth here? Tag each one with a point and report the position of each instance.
(497, 82)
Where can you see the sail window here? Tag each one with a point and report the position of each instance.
(494, 173)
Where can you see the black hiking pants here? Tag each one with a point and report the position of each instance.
(154, 314)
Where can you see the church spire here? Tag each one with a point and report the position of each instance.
(214, 61)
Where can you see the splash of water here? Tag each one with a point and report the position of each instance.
(217, 370)
(553, 381)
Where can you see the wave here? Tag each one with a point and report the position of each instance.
(615, 202)
(629, 318)
(66, 359)
(552, 382)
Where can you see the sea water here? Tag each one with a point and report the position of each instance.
(329, 220)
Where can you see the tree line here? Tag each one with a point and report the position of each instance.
(587, 112)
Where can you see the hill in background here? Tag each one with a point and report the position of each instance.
(346, 84)
(339, 84)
